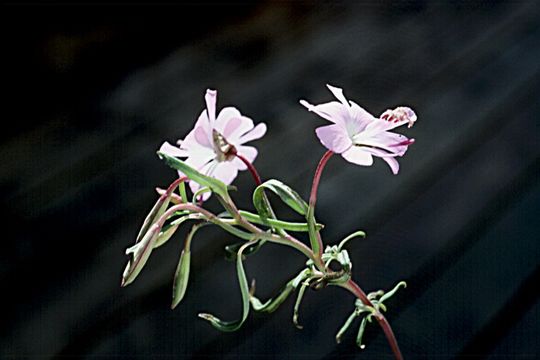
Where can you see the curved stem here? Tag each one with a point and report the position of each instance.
(317, 178)
(251, 169)
(314, 236)
(387, 329)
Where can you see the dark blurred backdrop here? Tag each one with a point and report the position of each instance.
(93, 90)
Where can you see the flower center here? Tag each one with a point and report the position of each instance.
(224, 151)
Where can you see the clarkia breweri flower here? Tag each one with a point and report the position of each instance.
(212, 145)
(357, 135)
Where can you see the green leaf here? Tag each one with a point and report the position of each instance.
(141, 252)
(181, 278)
(287, 195)
(272, 304)
(345, 326)
(361, 331)
(278, 224)
(157, 210)
(297, 304)
(215, 185)
(231, 251)
(391, 293)
(229, 326)
(352, 236)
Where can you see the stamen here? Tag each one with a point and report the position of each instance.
(400, 114)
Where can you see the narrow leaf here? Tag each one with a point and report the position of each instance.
(181, 277)
(361, 331)
(345, 326)
(229, 326)
(141, 252)
(352, 236)
(215, 185)
(286, 194)
(297, 304)
(158, 209)
(393, 291)
(278, 224)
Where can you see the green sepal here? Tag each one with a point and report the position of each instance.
(286, 194)
(215, 185)
(229, 326)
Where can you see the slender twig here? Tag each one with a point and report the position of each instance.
(387, 329)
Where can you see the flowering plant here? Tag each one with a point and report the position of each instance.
(214, 151)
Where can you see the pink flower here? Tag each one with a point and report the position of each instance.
(212, 145)
(357, 135)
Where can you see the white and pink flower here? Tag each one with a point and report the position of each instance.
(357, 135)
(212, 145)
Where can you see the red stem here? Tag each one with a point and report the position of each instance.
(313, 197)
(317, 178)
(360, 294)
(251, 169)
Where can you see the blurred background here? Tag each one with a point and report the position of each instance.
(93, 90)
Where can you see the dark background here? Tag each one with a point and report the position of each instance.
(91, 91)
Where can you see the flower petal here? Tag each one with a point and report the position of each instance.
(338, 93)
(225, 171)
(358, 155)
(361, 115)
(202, 137)
(254, 134)
(172, 150)
(393, 143)
(332, 111)
(334, 137)
(232, 124)
(211, 98)
(390, 159)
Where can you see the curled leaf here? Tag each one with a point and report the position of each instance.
(286, 194)
(391, 293)
(352, 236)
(229, 326)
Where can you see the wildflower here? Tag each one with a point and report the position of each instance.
(211, 147)
(357, 135)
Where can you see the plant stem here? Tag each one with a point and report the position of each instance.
(251, 169)
(314, 236)
(387, 329)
